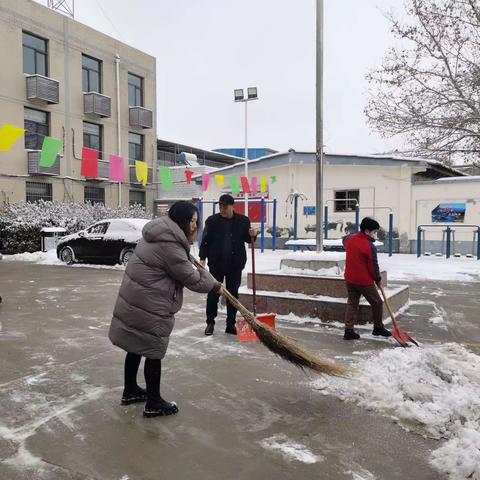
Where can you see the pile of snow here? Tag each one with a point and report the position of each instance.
(42, 258)
(290, 450)
(433, 391)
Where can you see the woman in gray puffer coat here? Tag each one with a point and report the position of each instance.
(150, 295)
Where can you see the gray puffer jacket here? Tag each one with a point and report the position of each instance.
(152, 289)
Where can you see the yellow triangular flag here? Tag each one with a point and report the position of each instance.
(220, 180)
(263, 184)
(141, 170)
(8, 136)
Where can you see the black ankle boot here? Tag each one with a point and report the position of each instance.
(160, 408)
(381, 331)
(231, 329)
(209, 329)
(351, 335)
(136, 396)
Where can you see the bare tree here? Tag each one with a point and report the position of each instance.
(428, 89)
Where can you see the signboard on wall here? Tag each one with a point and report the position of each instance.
(307, 211)
(449, 213)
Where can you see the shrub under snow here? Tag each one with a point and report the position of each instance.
(20, 224)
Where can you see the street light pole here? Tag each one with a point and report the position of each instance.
(319, 128)
(246, 154)
(240, 97)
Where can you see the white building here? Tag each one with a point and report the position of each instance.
(414, 190)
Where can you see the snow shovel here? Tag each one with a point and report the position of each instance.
(245, 331)
(401, 336)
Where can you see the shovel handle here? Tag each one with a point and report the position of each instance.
(387, 304)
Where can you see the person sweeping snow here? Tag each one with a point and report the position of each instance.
(150, 295)
(361, 275)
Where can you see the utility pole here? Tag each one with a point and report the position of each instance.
(319, 128)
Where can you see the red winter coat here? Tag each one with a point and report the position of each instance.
(361, 266)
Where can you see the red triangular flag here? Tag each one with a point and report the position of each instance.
(245, 185)
(89, 163)
(188, 176)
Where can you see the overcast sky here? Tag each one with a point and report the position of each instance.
(206, 48)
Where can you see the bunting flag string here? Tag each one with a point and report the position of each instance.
(141, 171)
(50, 149)
(89, 163)
(117, 171)
(245, 185)
(9, 136)
(165, 177)
(188, 176)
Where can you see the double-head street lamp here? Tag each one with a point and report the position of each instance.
(240, 97)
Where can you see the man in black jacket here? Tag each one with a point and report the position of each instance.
(223, 243)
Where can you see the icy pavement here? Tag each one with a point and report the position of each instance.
(243, 413)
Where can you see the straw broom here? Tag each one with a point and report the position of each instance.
(282, 346)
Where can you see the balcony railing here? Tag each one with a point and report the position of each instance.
(97, 104)
(34, 167)
(140, 117)
(103, 171)
(42, 89)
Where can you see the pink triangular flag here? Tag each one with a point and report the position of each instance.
(254, 185)
(117, 172)
(205, 181)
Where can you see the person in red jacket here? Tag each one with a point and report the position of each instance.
(361, 275)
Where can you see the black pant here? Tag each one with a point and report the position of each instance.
(233, 279)
(152, 371)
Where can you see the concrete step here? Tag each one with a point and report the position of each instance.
(301, 283)
(324, 308)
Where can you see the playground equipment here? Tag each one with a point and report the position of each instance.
(263, 202)
(448, 239)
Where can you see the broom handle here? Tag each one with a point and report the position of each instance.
(233, 300)
(254, 283)
(387, 304)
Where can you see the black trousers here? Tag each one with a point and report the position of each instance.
(152, 371)
(233, 279)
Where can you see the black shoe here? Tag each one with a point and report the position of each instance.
(231, 329)
(351, 335)
(381, 332)
(209, 329)
(140, 395)
(161, 408)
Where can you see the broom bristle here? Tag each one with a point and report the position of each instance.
(286, 348)
(282, 346)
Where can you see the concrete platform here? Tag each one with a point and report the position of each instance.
(306, 284)
(327, 309)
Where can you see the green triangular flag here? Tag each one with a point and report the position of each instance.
(50, 149)
(235, 185)
(273, 178)
(165, 177)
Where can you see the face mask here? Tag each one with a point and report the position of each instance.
(373, 235)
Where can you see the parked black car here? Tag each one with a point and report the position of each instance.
(108, 241)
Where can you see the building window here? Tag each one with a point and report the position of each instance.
(135, 148)
(36, 128)
(91, 74)
(39, 191)
(35, 55)
(135, 90)
(94, 195)
(92, 137)
(346, 200)
(137, 198)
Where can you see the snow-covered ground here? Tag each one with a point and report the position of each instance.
(433, 391)
(400, 267)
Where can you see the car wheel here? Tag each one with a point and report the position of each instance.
(125, 256)
(66, 255)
